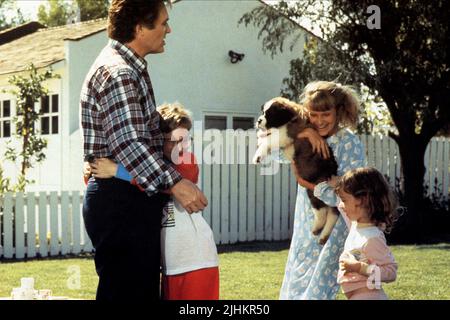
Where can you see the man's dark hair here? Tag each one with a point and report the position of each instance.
(124, 15)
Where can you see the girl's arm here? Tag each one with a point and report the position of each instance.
(350, 155)
(379, 256)
(319, 145)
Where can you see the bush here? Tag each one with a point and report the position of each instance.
(435, 212)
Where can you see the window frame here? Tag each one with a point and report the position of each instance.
(229, 117)
(3, 119)
(50, 114)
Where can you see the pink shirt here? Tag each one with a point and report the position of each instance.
(367, 243)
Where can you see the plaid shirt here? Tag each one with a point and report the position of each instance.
(119, 117)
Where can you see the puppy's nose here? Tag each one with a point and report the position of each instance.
(259, 121)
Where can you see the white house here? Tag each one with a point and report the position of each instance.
(195, 70)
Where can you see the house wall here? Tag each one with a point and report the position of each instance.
(195, 70)
(80, 56)
(49, 174)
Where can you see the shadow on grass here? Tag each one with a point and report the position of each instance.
(87, 256)
(435, 247)
(255, 246)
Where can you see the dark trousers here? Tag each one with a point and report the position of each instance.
(124, 225)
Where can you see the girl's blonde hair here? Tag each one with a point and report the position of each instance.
(174, 115)
(377, 197)
(325, 95)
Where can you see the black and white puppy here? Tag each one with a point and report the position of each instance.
(279, 125)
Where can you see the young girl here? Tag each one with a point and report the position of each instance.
(188, 251)
(311, 269)
(368, 205)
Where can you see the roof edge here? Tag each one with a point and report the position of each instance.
(18, 32)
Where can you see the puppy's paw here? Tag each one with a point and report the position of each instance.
(323, 239)
(257, 159)
(316, 231)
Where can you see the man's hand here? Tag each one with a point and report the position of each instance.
(189, 196)
(86, 170)
(318, 143)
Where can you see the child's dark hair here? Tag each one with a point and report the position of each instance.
(370, 186)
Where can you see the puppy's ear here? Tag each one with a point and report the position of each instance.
(278, 115)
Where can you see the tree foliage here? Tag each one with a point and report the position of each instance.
(405, 63)
(59, 12)
(14, 18)
(29, 90)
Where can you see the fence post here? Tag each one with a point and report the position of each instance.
(31, 225)
(65, 226)
(285, 183)
(76, 233)
(251, 202)
(268, 207)
(43, 246)
(54, 234)
(234, 203)
(19, 222)
(8, 249)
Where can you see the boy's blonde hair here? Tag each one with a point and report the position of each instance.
(377, 197)
(325, 95)
(174, 115)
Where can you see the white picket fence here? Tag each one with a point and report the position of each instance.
(243, 204)
(43, 224)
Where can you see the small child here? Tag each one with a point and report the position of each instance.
(188, 251)
(369, 203)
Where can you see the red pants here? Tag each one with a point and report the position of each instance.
(200, 284)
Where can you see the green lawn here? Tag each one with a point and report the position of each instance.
(248, 271)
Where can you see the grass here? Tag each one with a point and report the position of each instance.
(247, 271)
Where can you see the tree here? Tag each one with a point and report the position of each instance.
(398, 49)
(16, 17)
(90, 9)
(59, 12)
(30, 89)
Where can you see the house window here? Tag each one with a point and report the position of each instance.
(243, 123)
(223, 122)
(215, 122)
(49, 114)
(5, 119)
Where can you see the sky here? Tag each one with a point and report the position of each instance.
(29, 7)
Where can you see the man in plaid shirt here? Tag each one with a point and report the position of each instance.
(120, 121)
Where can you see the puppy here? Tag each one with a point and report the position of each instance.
(279, 125)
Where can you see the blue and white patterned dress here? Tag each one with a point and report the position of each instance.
(311, 269)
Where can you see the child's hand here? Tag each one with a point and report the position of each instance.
(318, 143)
(333, 181)
(103, 168)
(349, 265)
(86, 170)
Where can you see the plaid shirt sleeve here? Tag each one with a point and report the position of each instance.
(129, 136)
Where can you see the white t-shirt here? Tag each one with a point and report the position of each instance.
(187, 242)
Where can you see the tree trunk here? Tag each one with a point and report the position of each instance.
(412, 151)
(26, 137)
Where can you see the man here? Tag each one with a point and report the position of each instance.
(120, 121)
